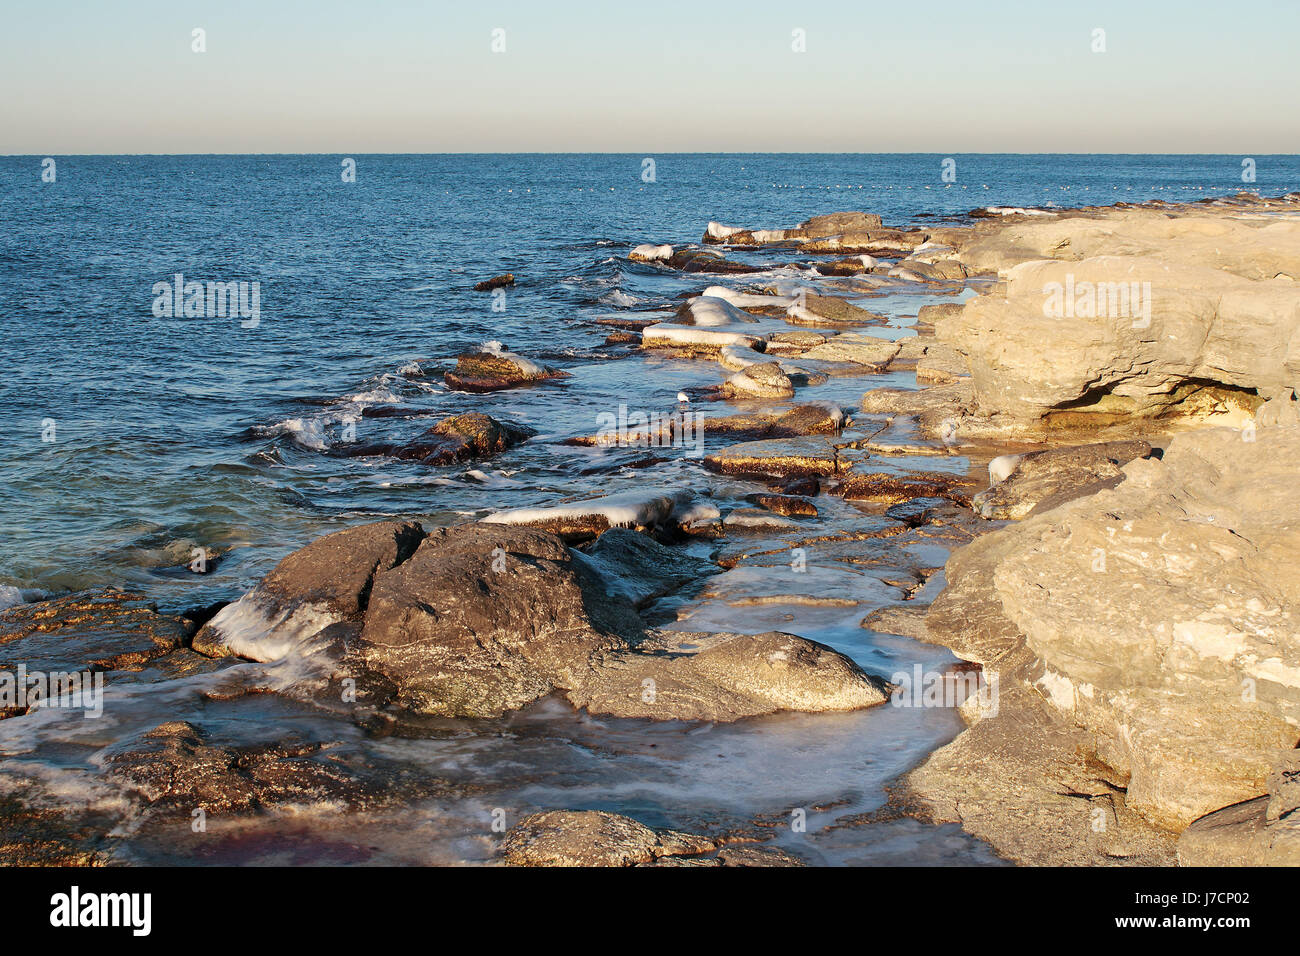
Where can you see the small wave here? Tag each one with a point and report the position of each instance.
(496, 479)
(11, 596)
(380, 395)
(622, 299)
(307, 433)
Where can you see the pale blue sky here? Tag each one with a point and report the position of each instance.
(706, 75)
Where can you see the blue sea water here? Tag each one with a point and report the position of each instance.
(133, 441)
(176, 433)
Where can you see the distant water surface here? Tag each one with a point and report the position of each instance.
(174, 434)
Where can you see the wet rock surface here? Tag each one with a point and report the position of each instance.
(596, 838)
(784, 458)
(471, 436)
(862, 484)
(496, 282)
(177, 770)
(494, 370)
(483, 619)
(100, 630)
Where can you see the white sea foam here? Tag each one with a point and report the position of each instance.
(1015, 211)
(497, 479)
(698, 512)
(289, 638)
(379, 395)
(307, 433)
(11, 596)
(621, 299)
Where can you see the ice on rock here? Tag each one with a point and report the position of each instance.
(628, 510)
(648, 252)
(707, 310)
(718, 231)
(668, 335)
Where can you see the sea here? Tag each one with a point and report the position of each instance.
(182, 456)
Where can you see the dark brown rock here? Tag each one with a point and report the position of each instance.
(178, 770)
(99, 630)
(497, 282)
(786, 505)
(707, 261)
(491, 371)
(892, 488)
(594, 838)
(330, 579)
(461, 438)
(486, 618)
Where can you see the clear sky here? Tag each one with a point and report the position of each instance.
(90, 76)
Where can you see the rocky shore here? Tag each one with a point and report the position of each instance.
(1141, 616)
(1073, 471)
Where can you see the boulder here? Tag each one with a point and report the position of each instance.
(461, 438)
(725, 677)
(1161, 616)
(481, 620)
(493, 368)
(765, 380)
(1041, 480)
(821, 311)
(324, 584)
(707, 261)
(649, 252)
(1089, 343)
(711, 311)
(597, 838)
(485, 618)
(496, 282)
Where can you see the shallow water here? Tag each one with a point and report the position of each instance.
(172, 435)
